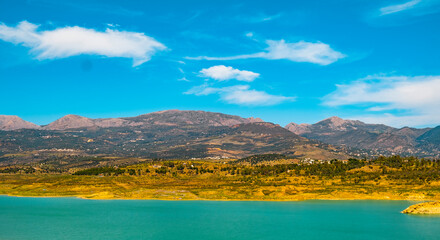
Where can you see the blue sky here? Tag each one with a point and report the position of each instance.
(282, 61)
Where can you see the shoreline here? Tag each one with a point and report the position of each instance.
(431, 208)
(416, 201)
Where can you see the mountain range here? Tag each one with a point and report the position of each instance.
(169, 118)
(165, 134)
(372, 138)
(200, 134)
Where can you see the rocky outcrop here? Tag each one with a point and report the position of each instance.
(423, 208)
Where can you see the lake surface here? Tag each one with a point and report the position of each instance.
(72, 218)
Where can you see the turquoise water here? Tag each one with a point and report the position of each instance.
(71, 218)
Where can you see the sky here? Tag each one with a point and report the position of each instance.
(282, 61)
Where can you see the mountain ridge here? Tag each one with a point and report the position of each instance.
(174, 127)
(71, 121)
(165, 117)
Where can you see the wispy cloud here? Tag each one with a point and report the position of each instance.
(318, 52)
(259, 18)
(416, 99)
(240, 95)
(223, 73)
(183, 78)
(398, 7)
(71, 41)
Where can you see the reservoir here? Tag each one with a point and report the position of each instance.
(73, 218)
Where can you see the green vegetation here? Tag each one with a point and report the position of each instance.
(250, 178)
(18, 170)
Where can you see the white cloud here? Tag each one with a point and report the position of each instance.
(249, 34)
(416, 98)
(240, 95)
(398, 7)
(319, 53)
(223, 73)
(71, 41)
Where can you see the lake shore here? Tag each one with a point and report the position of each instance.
(171, 197)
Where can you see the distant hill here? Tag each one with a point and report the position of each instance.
(13, 122)
(373, 138)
